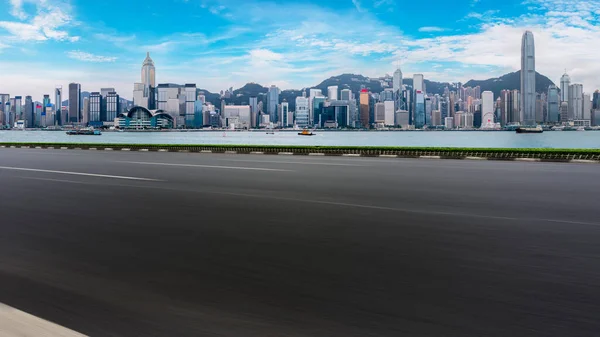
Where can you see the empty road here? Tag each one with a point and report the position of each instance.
(173, 244)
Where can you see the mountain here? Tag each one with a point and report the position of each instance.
(356, 82)
(510, 81)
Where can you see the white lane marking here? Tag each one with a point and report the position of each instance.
(286, 153)
(75, 173)
(291, 162)
(60, 180)
(14, 322)
(316, 154)
(388, 156)
(256, 152)
(430, 157)
(476, 158)
(207, 166)
(351, 155)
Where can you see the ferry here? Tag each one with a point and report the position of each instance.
(530, 130)
(84, 132)
(305, 132)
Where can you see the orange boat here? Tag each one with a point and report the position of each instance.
(305, 132)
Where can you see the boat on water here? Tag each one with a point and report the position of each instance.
(305, 132)
(84, 132)
(530, 130)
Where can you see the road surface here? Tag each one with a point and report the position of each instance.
(173, 244)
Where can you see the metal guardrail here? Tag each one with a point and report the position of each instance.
(559, 155)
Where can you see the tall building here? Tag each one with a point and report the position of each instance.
(144, 93)
(575, 101)
(364, 108)
(418, 82)
(487, 109)
(318, 103)
(253, 102)
(95, 109)
(189, 111)
(397, 81)
(596, 100)
(312, 94)
(346, 95)
(379, 118)
(587, 107)
(389, 113)
(553, 105)
(419, 109)
(302, 114)
(332, 92)
(58, 106)
(74, 103)
(564, 112)
(148, 72)
(113, 106)
(272, 101)
(85, 113)
(28, 115)
(565, 82)
(5, 109)
(528, 79)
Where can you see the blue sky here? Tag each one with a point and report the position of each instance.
(223, 43)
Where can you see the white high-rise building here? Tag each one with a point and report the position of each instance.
(587, 107)
(302, 114)
(418, 82)
(565, 82)
(528, 79)
(332, 92)
(575, 101)
(487, 109)
(389, 113)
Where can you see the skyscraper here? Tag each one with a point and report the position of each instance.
(74, 102)
(364, 108)
(28, 115)
(302, 115)
(58, 106)
(575, 101)
(528, 79)
(346, 94)
(487, 109)
(553, 105)
(587, 107)
(148, 72)
(419, 109)
(112, 106)
(565, 82)
(418, 82)
(5, 109)
(397, 82)
(272, 101)
(95, 109)
(332, 92)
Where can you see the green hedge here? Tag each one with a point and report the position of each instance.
(226, 147)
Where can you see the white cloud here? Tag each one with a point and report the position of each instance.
(49, 22)
(88, 57)
(431, 29)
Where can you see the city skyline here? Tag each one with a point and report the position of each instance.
(49, 43)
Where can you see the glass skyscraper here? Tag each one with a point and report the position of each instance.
(553, 105)
(528, 79)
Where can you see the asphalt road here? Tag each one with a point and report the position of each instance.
(173, 244)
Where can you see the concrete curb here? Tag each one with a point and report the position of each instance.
(520, 156)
